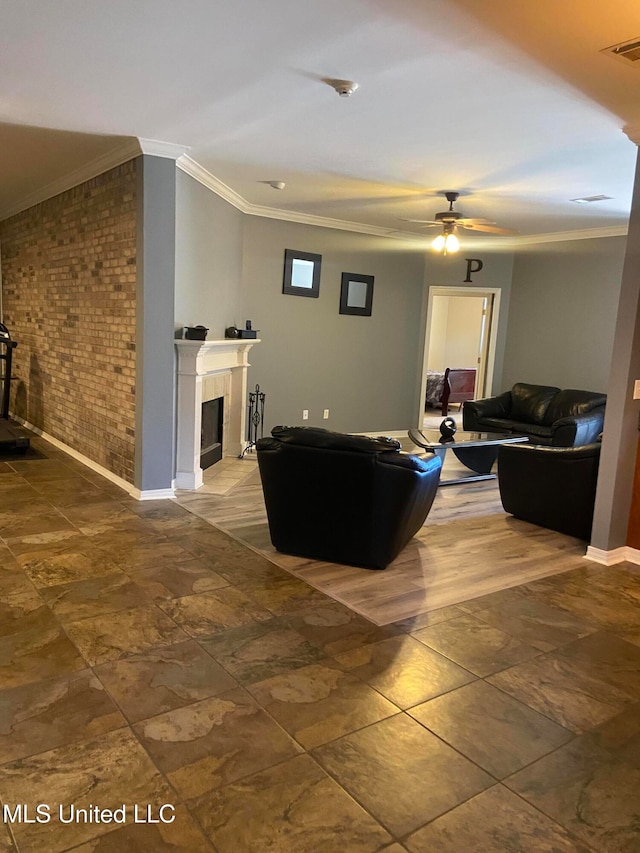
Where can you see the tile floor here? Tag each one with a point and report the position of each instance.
(147, 658)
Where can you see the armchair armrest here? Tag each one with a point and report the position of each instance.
(575, 431)
(489, 407)
(423, 465)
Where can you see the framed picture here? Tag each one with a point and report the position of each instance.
(301, 273)
(356, 294)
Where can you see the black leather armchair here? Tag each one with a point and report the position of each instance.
(543, 413)
(554, 487)
(343, 498)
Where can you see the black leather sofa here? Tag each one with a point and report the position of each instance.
(543, 413)
(554, 487)
(343, 498)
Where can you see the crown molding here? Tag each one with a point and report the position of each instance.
(565, 236)
(326, 222)
(115, 157)
(200, 174)
(135, 146)
(195, 170)
(157, 148)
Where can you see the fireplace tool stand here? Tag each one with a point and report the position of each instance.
(255, 420)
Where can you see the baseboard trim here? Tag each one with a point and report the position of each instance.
(610, 558)
(108, 475)
(633, 556)
(153, 494)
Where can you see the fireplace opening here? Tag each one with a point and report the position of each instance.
(211, 432)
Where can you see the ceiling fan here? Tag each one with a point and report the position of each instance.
(452, 219)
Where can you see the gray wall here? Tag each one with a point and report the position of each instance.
(155, 370)
(363, 369)
(620, 439)
(208, 259)
(564, 299)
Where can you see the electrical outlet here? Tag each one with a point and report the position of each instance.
(325, 414)
(305, 414)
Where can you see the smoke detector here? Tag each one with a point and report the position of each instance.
(345, 88)
(277, 185)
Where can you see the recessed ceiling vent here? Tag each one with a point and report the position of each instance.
(587, 199)
(629, 51)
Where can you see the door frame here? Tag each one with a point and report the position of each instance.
(480, 293)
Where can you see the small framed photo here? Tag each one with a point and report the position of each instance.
(356, 294)
(301, 273)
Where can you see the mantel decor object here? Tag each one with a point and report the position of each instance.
(195, 333)
(248, 333)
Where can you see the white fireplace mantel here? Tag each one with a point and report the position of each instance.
(206, 370)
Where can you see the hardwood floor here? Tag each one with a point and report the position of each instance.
(467, 548)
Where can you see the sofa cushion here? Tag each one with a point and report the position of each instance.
(514, 428)
(536, 430)
(496, 425)
(318, 437)
(529, 403)
(572, 403)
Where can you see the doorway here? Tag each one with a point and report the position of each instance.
(461, 329)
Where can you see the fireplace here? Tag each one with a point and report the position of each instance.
(211, 432)
(209, 370)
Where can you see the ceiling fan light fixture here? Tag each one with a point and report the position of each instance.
(447, 241)
(451, 243)
(450, 220)
(438, 244)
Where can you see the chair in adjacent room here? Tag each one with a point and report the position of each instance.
(459, 386)
(343, 498)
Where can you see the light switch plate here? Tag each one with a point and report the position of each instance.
(636, 390)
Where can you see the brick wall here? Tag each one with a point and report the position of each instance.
(69, 284)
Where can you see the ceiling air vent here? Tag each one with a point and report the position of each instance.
(629, 51)
(587, 199)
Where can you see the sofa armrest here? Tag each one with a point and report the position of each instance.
(577, 430)
(489, 407)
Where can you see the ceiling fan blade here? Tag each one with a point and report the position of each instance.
(474, 222)
(422, 221)
(489, 229)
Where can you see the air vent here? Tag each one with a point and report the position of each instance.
(629, 51)
(589, 198)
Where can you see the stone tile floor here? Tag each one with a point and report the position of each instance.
(147, 658)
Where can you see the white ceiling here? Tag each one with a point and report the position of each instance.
(509, 102)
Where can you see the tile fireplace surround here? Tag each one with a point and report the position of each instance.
(206, 370)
